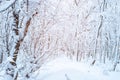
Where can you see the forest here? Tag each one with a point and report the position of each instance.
(35, 32)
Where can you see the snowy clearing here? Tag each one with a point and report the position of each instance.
(63, 68)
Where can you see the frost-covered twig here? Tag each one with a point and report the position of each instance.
(6, 5)
(67, 78)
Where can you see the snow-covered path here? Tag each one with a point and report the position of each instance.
(64, 69)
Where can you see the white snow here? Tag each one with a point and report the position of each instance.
(60, 27)
(63, 68)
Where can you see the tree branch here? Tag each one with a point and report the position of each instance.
(6, 5)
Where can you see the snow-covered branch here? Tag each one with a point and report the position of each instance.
(6, 4)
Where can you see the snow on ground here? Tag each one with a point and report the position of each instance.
(65, 69)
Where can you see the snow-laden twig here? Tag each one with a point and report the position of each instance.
(6, 4)
(67, 78)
